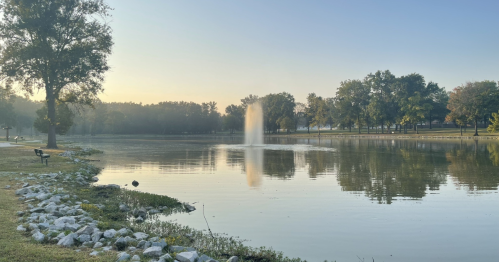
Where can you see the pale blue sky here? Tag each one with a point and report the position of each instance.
(224, 50)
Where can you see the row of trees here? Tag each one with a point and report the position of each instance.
(17, 112)
(162, 118)
(380, 100)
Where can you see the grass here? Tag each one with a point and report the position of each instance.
(136, 199)
(218, 246)
(423, 132)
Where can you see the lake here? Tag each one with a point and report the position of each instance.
(328, 199)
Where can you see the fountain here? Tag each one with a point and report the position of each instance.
(253, 136)
(253, 127)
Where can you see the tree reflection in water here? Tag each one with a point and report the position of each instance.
(386, 169)
(474, 166)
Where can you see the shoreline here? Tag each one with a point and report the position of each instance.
(62, 208)
(388, 136)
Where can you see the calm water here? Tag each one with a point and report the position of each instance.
(391, 200)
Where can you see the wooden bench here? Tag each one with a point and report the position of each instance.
(42, 156)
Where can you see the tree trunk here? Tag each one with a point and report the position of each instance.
(358, 122)
(51, 115)
(319, 128)
(350, 126)
(417, 131)
(476, 128)
(430, 121)
(461, 130)
(308, 129)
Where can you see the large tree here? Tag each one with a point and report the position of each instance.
(59, 46)
(353, 100)
(457, 113)
(277, 107)
(382, 106)
(438, 101)
(475, 100)
(415, 108)
(317, 110)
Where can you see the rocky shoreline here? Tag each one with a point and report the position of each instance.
(59, 216)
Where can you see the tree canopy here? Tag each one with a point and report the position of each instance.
(59, 46)
(473, 101)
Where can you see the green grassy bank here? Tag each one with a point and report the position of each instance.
(15, 245)
(452, 133)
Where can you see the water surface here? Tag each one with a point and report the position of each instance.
(391, 200)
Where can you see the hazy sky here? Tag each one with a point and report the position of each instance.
(225, 50)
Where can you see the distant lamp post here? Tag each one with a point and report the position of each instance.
(7, 130)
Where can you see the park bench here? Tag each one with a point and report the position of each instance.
(42, 156)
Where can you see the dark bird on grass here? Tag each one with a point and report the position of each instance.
(135, 183)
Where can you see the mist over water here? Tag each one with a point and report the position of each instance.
(253, 126)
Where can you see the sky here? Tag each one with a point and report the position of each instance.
(222, 51)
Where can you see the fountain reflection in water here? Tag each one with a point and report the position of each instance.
(253, 165)
(253, 137)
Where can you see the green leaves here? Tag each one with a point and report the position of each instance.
(494, 127)
(472, 101)
(60, 46)
(64, 119)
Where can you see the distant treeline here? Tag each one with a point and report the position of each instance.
(376, 103)
(162, 118)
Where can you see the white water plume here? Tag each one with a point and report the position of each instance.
(253, 127)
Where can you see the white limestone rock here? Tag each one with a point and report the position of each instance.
(67, 241)
(187, 256)
(153, 252)
(89, 230)
(233, 259)
(38, 237)
(123, 256)
(109, 233)
(140, 235)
